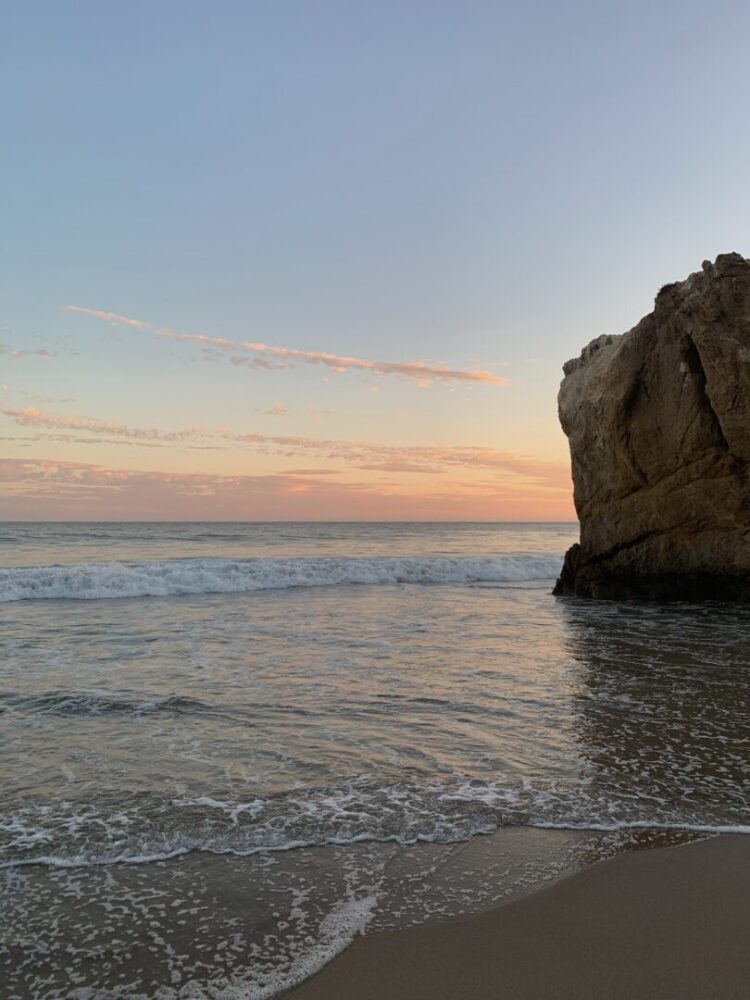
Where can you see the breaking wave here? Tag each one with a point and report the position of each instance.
(93, 581)
(72, 835)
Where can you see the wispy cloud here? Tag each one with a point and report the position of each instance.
(245, 361)
(39, 398)
(366, 455)
(30, 416)
(17, 353)
(111, 317)
(43, 488)
(256, 354)
(312, 472)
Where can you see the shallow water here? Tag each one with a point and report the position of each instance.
(245, 690)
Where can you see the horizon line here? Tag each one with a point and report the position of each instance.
(97, 520)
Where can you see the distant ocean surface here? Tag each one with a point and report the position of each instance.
(243, 692)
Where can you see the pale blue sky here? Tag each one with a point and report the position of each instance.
(485, 185)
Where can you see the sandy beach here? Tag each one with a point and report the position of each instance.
(664, 924)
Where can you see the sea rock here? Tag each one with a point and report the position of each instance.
(658, 421)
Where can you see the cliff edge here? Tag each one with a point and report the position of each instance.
(658, 421)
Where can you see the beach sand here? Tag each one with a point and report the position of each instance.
(665, 924)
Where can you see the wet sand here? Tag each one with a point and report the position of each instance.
(205, 925)
(665, 924)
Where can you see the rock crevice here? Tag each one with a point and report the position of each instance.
(658, 421)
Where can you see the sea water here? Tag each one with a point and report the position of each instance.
(242, 731)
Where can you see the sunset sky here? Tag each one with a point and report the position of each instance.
(325, 260)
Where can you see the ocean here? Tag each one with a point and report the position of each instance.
(228, 748)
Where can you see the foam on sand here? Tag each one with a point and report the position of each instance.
(670, 923)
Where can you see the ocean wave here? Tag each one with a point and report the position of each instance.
(97, 703)
(72, 835)
(94, 581)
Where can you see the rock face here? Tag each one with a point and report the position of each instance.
(658, 421)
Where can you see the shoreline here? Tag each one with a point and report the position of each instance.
(258, 926)
(667, 923)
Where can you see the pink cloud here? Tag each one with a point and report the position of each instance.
(363, 454)
(423, 372)
(32, 489)
(30, 416)
(110, 317)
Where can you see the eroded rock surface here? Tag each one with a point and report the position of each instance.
(658, 421)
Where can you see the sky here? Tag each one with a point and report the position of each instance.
(324, 260)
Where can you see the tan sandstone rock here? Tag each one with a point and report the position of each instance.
(658, 421)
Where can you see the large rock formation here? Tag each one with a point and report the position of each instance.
(658, 421)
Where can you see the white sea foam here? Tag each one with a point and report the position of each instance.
(92, 581)
(337, 930)
(213, 847)
(75, 835)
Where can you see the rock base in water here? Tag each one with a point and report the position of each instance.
(589, 580)
(658, 421)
